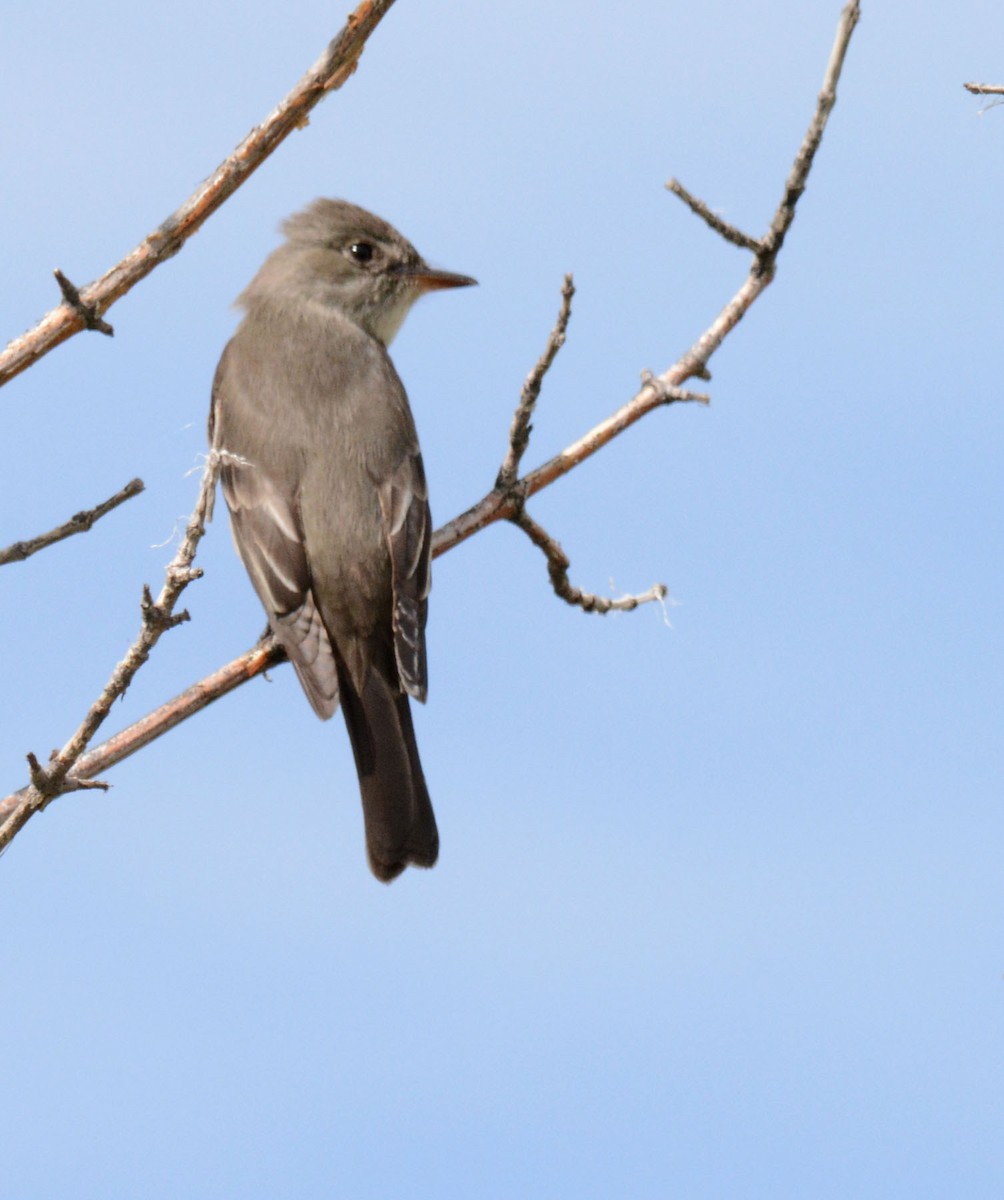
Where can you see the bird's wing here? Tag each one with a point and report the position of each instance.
(407, 526)
(269, 539)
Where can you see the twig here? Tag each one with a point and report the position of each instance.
(79, 523)
(519, 440)
(88, 313)
(800, 168)
(330, 71)
(668, 394)
(730, 233)
(557, 569)
(519, 431)
(496, 505)
(985, 89)
(55, 778)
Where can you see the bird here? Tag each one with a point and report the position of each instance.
(322, 474)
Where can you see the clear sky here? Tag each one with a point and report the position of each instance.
(720, 904)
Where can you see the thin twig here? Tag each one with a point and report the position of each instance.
(731, 233)
(330, 71)
(519, 440)
(985, 89)
(519, 431)
(55, 778)
(496, 505)
(668, 394)
(79, 523)
(800, 168)
(557, 569)
(88, 313)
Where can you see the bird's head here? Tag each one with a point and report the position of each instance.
(345, 257)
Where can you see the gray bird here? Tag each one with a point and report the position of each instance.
(322, 473)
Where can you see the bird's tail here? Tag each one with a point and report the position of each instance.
(397, 811)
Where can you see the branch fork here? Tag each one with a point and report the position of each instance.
(513, 491)
(158, 619)
(668, 393)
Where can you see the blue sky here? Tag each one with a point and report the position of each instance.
(719, 905)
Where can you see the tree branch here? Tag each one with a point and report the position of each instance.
(730, 233)
(83, 309)
(79, 523)
(507, 482)
(57, 776)
(985, 89)
(498, 506)
(519, 432)
(557, 569)
(268, 653)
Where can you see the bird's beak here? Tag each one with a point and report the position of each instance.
(430, 279)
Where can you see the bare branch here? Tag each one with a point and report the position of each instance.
(730, 232)
(985, 89)
(498, 506)
(157, 616)
(557, 569)
(40, 779)
(509, 503)
(519, 431)
(800, 168)
(85, 307)
(125, 743)
(519, 438)
(79, 523)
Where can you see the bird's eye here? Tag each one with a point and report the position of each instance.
(362, 252)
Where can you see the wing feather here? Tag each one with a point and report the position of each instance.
(268, 537)
(404, 505)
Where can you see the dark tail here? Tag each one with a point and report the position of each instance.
(400, 825)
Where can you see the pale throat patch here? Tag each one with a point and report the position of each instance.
(390, 319)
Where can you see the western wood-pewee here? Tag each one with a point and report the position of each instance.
(322, 474)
